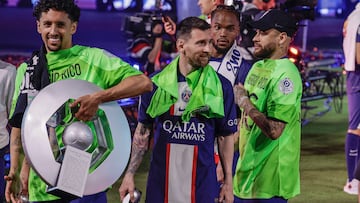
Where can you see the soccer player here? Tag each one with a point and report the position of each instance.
(226, 56)
(58, 59)
(270, 127)
(191, 107)
(351, 47)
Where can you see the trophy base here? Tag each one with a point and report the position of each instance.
(73, 174)
(61, 193)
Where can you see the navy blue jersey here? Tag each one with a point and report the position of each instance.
(182, 163)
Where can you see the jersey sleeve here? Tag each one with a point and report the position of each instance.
(19, 100)
(145, 100)
(110, 68)
(283, 100)
(228, 124)
(242, 72)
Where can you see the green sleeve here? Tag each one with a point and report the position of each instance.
(18, 81)
(109, 68)
(283, 101)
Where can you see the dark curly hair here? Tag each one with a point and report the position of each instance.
(68, 6)
(224, 8)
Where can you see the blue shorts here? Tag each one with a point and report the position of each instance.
(353, 95)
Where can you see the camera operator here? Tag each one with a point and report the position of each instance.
(146, 49)
(150, 49)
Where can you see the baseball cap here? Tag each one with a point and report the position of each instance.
(277, 19)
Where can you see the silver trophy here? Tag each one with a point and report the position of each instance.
(75, 158)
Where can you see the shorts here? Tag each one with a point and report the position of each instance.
(353, 95)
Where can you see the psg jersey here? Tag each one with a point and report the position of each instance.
(182, 163)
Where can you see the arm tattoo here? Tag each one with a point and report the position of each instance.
(139, 146)
(270, 128)
(16, 144)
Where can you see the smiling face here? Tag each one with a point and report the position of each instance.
(56, 30)
(195, 49)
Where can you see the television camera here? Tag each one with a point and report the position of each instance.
(142, 23)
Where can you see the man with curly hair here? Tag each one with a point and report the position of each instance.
(57, 22)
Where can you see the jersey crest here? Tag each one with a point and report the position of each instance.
(286, 86)
(185, 95)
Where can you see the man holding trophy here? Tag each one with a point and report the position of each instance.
(58, 59)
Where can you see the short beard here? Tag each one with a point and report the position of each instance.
(265, 53)
(195, 64)
(220, 50)
(53, 50)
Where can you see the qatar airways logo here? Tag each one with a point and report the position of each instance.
(185, 130)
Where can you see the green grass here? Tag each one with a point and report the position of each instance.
(140, 182)
(322, 164)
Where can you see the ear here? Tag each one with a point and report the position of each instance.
(180, 44)
(74, 27)
(282, 37)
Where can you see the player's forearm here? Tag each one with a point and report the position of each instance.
(24, 172)
(226, 153)
(129, 87)
(15, 150)
(272, 129)
(139, 146)
(155, 50)
(25, 167)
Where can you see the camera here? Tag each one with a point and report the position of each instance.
(141, 23)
